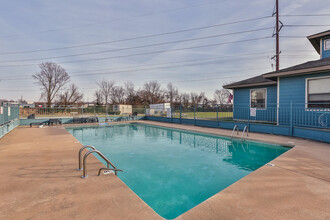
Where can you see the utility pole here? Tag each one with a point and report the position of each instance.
(277, 38)
(276, 33)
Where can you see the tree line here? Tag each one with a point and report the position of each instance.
(55, 88)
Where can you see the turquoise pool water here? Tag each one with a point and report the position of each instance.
(175, 170)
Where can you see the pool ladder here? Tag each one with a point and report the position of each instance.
(235, 128)
(93, 150)
(246, 129)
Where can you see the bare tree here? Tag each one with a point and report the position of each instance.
(130, 93)
(184, 99)
(171, 93)
(106, 90)
(221, 96)
(196, 98)
(98, 97)
(51, 78)
(70, 96)
(118, 95)
(205, 102)
(152, 92)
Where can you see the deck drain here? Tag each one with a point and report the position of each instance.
(270, 164)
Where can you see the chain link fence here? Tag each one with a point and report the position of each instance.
(292, 114)
(8, 113)
(90, 111)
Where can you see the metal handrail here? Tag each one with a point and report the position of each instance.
(79, 154)
(246, 128)
(232, 133)
(103, 157)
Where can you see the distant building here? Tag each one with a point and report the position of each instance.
(27, 105)
(124, 109)
(159, 109)
(307, 86)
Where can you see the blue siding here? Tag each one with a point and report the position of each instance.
(292, 89)
(242, 104)
(325, 53)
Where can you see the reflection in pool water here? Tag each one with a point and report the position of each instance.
(174, 170)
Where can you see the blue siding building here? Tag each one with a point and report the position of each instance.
(298, 95)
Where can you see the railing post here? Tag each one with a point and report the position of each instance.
(291, 119)
(171, 107)
(180, 113)
(249, 116)
(194, 114)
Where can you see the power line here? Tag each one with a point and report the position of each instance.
(305, 15)
(190, 80)
(164, 67)
(112, 20)
(137, 47)
(159, 64)
(133, 69)
(306, 25)
(153, 52)
(193, 60)
(200, 79)
(136, 38)
(293, 36)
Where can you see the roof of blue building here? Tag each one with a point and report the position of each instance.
(304, 68)
(315, 39)
(270, 78)
(254, 81)
(315, 66)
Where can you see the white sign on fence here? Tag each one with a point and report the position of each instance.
(8, 111)
(1, 110)
(253, 112)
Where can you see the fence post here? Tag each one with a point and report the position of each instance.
(291, 119)
(180, 113)
(194, 114)
(217, 112)
(171, 113)
(249, 117)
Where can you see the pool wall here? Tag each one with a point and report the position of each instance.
(308, 133)
(322, 135)
(67, 120)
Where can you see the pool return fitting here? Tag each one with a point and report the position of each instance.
(93, 150)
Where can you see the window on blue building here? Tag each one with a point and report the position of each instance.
(318, 92)
(327, 44)
(258, 98)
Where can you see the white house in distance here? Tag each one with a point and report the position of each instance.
(159, 109)
(124, 109)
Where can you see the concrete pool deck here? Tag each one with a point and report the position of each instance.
(39, 181)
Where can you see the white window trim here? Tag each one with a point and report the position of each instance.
(306, 94)
(324, 40)
(265, 99)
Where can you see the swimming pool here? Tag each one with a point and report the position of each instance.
(175, 170)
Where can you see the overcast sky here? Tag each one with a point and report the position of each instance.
(46, 24)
